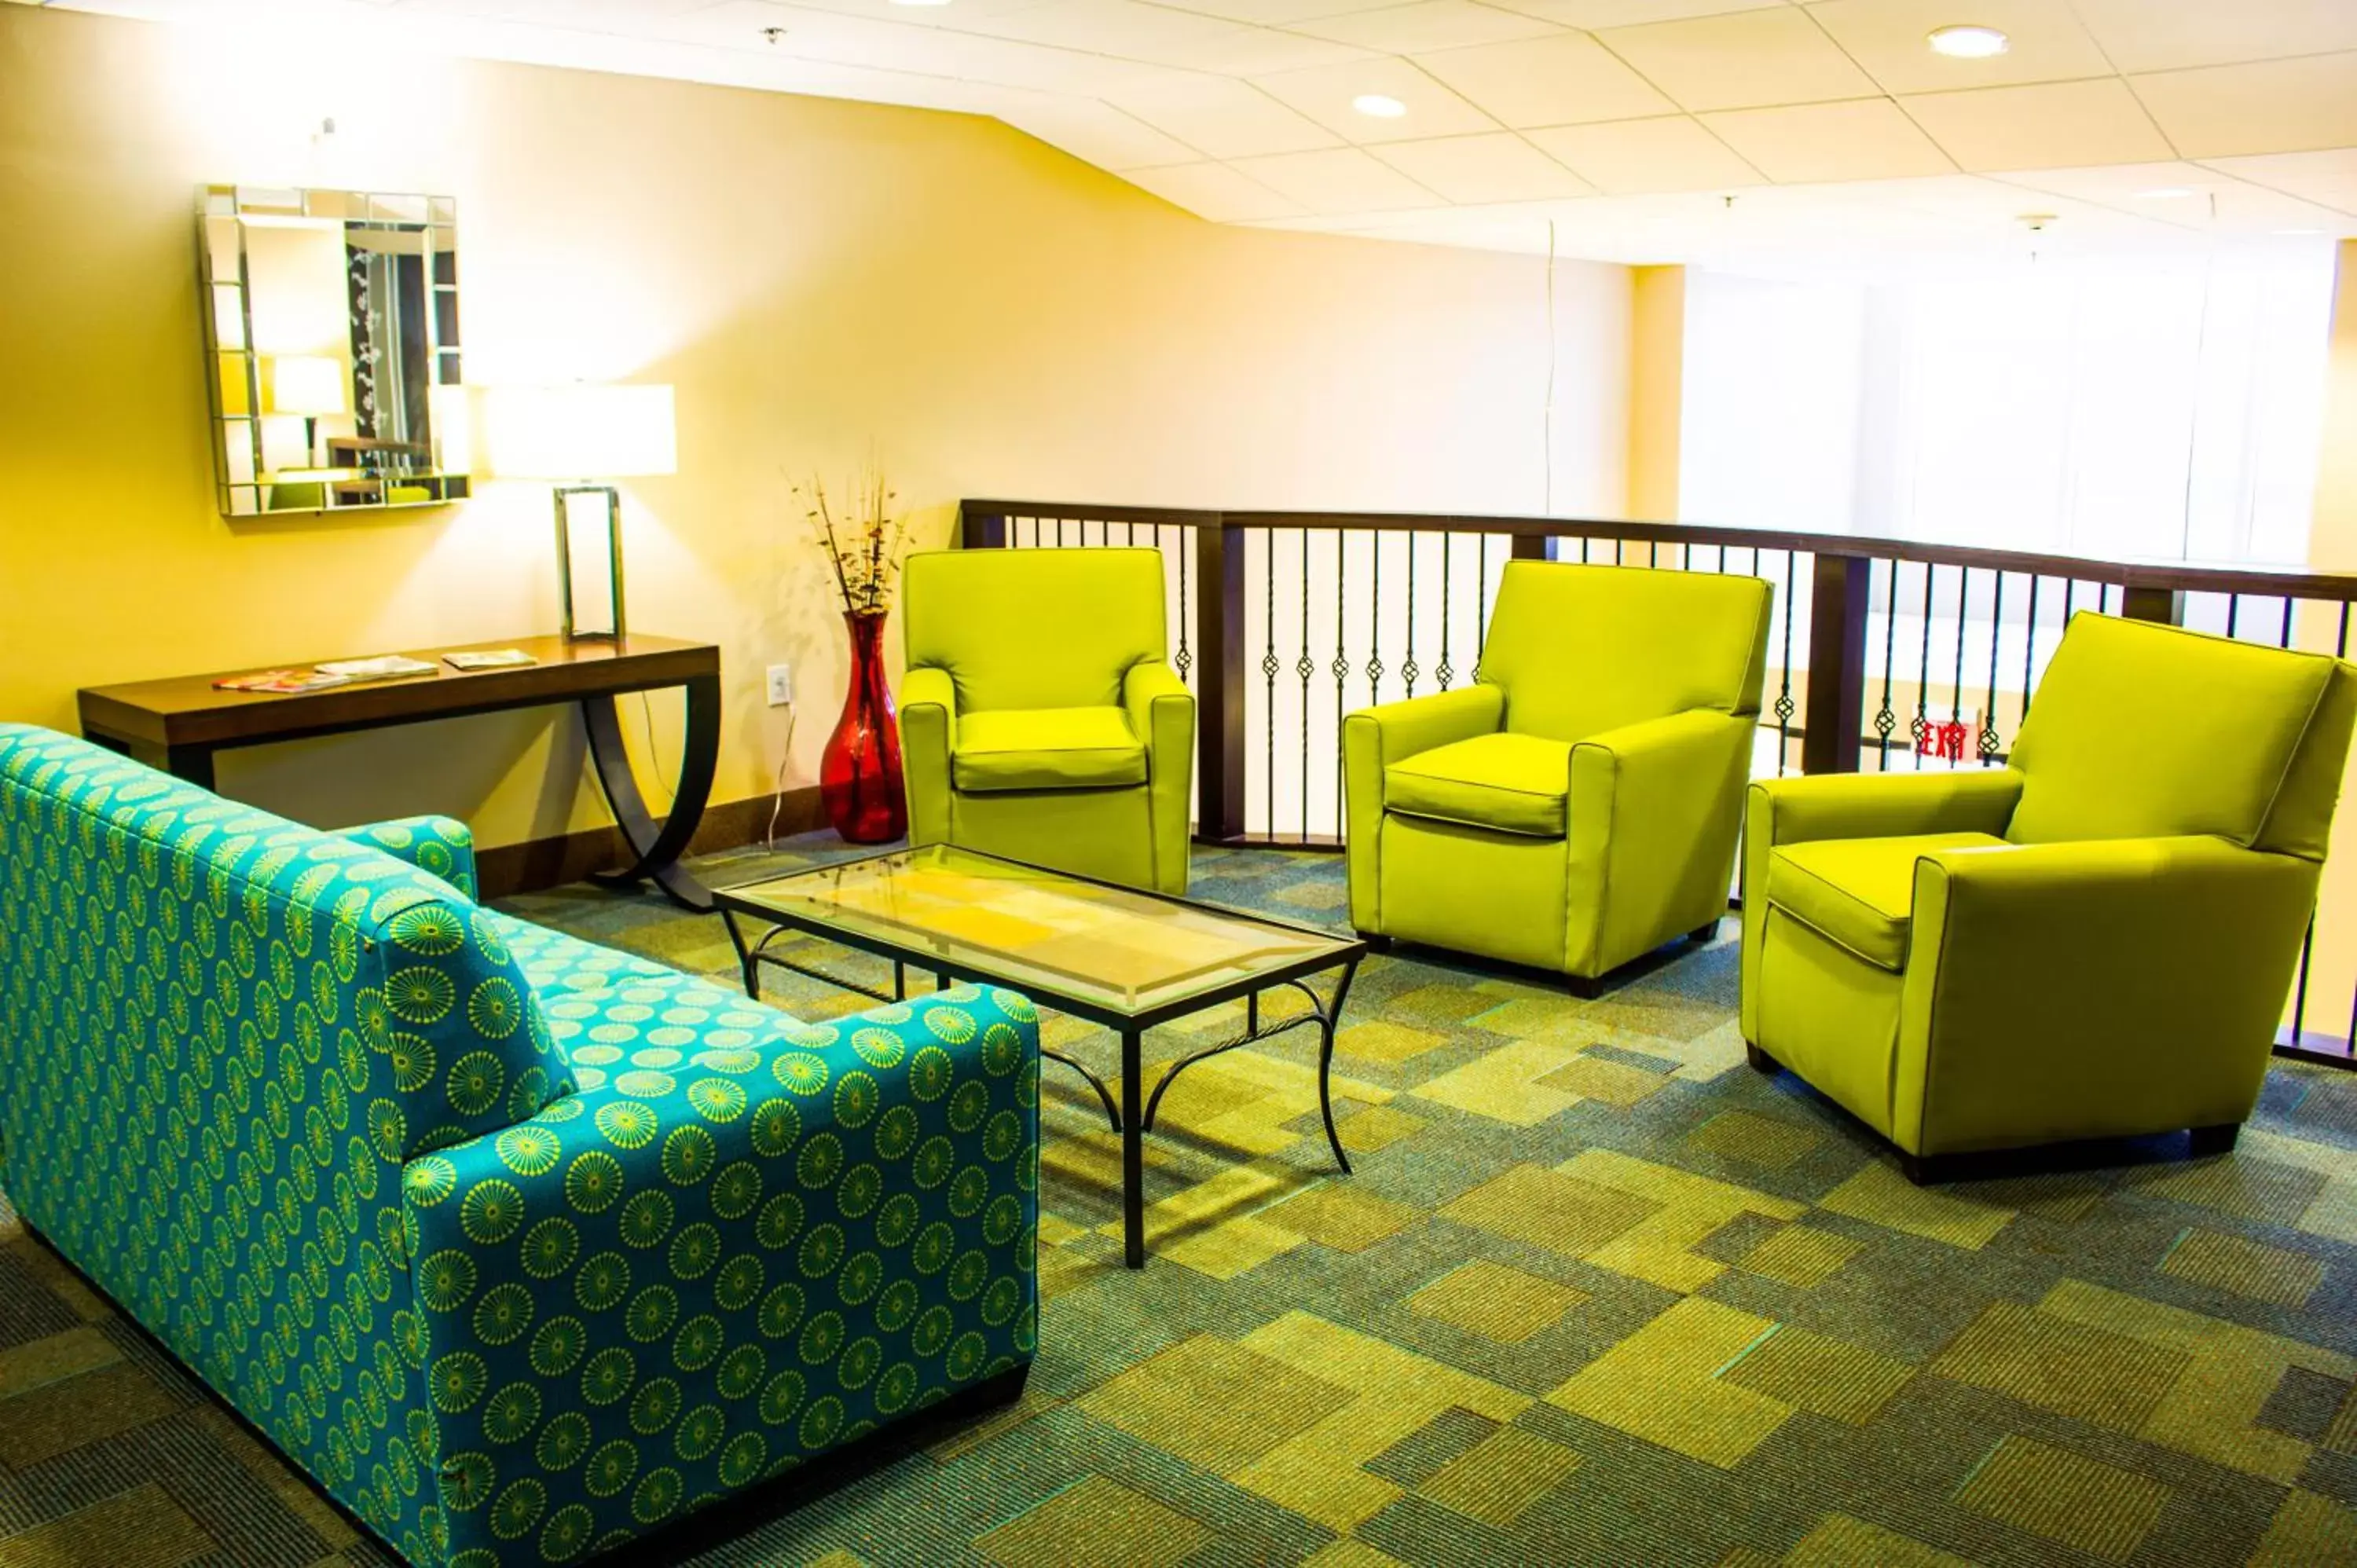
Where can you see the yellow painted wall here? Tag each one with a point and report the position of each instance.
(811, 275)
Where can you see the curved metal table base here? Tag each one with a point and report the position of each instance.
(658, 848)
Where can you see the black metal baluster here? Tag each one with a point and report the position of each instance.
(1956, 709)
(1303, 667)
(1997, 636)
(1884, 721)
(1583, 550)
(1482, 603)
(2028, 658)
(1059, 533)
(2307, 941)
(2233, 612)
(2104, 598)
(1186, 658)
(1784, 709)
(1653, 552)
(1407, 668)
(1375, 616)
(1618, 542)
(1443, 672)
(1268, 668)
(1921, 727)
(1341, 670)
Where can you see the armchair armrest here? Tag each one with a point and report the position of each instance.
(444, 847)
(1375, 738)
(1855, 806)
(2092, 980)
(1653, 812)
(927, 736)
(662, 1290)
(1162, 713)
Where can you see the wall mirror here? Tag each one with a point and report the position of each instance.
(331, 327)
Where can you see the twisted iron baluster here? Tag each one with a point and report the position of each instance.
(1922, 728)
(1374, 616)
(1268, 668)
(1407, 669)
(1442, 671)
(1341, 669)
(1305, 669)
(1997, 636)
(1964, 598)
(1887, 721)
(1186, 660)
(1784, 709)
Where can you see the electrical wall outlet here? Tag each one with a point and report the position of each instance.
(781, 685)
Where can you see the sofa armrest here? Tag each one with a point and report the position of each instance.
(927, 736)
(1654, 811)
(444, 847)
(1855, 806)
(2113, 984)
(656, 1292)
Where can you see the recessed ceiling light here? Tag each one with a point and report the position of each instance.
(2164, 193)
(1968, 42)
(1378, 105)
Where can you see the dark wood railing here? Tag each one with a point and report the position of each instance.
(1884, 654)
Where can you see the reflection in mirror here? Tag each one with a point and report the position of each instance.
(332, 337)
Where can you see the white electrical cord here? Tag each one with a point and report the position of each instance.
(778, 794)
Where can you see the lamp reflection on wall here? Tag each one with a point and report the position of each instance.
(577, 436)
(311, 385)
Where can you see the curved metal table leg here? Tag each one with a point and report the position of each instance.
(658, 849)
(1105, 1094)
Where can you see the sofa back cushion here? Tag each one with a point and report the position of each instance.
(2144, 731)
(1582, 649)
(1034, 629)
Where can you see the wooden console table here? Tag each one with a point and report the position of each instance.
(179, 725)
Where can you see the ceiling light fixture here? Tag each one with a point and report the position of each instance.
(1379, 107)
(1970, 42)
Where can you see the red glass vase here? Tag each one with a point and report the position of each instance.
(859, 772)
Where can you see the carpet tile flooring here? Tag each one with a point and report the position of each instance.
(1599, 1293)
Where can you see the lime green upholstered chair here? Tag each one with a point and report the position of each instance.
(1578, 804)
(1037, 719)
(2095, 941)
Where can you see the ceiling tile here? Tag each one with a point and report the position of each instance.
(1746, 60)
(1593, 13)
(1568, 80)
(2276, 106)
(1325, 94)
(2163, 34)
(1214, 192)
(1091, 129)
(1266, 12)
(1866, 138)
(2184, 196)
(1222, 117)
(1428, 25)
(1496, 167)
(1259, 51)
(1633, 156)
(1891, 40)
(2328, 178)
(2058, 126)
(1343, 180)
(1119, 27)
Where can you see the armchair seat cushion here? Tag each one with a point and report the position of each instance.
(1860, 893)
(1505, 782)
(1046, 748)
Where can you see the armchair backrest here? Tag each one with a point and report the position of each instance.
(1034, 627)
(2144, 731)
(1582, 649)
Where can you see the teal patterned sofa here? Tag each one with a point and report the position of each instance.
(521, 1246)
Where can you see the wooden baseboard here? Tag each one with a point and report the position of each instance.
(539, 864)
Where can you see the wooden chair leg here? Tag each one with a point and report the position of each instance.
(2204, 1141)
(1760, 1060)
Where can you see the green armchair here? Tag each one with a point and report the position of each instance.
(1578, 805)
(1037, 719)
(2093, 941)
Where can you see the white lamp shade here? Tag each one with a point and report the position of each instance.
(310, 384)
(573, 431)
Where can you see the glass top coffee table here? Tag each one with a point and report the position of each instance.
(1116, 956)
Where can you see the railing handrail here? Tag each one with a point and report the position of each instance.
(2164, 576)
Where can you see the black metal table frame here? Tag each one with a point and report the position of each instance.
(1126, 1118)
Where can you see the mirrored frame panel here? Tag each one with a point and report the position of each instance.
(331, 350)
